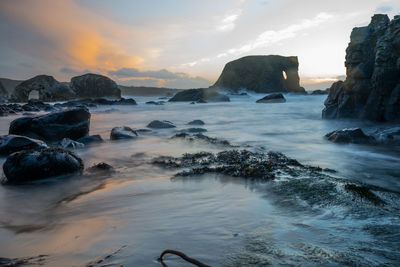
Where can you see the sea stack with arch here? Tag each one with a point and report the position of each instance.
(261, 74)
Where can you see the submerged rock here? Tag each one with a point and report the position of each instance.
(94, 85)
(161, 124)
(31, 165)
(261, 74)
(389, 136)
(272, 98)
(72, 123)
(352, 135)
(90, 139)
(68, 143)
(13, 143)
(196, 122)
(155, 103)
(201, 137)
(101, 167)
(49, 89)
(199, 96)
(365, 193)
(123, 132)
(234, 163)
(194, 130)
(372, 87)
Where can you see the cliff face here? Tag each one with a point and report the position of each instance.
(261, 74)
(372, 87)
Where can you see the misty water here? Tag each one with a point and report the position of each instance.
(140, 210)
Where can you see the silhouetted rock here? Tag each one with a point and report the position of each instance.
(261, 74)
(72, 123)
(93, 102)
(161, 124)
(123, 132)
(94, 85)
(13, 143)
(196, 122)
(90, 139)
(372, 87)
(272, 98)
(30, 165)
(353, 135)
(49, 89)
(199, 95)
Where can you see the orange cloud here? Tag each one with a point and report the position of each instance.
(73, 35)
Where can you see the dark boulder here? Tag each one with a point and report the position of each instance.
(31, 165)
(49, 89)
(261, 74)
(123, 132)
(371, 90)
(90, 139)
(160, 124)
(200, 96)
(157, 103)
(71, 123)
(196, 122)
(352, 135)
(272, 98)
(94, 85)
(13, 143)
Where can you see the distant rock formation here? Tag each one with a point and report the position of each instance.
(94, 85)
(261, 74)
(372, 87)
(49, 89)
(3, 93)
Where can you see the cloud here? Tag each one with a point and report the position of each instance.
(228, 21)
(160, 78)
(269, 37)
(65, 33)
(388, 9)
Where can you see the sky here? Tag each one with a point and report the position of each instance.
(177, 43)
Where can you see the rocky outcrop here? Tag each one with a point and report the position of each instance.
(49, 89)
(372, 87)
(94, 85)
(72, 123)
(320, 92)
(13, 143)
(30, 165)
(272, 98)
(261, 74)
(123, 132)
(202, 95)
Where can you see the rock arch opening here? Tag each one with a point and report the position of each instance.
(34, 94)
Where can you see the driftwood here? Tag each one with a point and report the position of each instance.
(183, 256)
